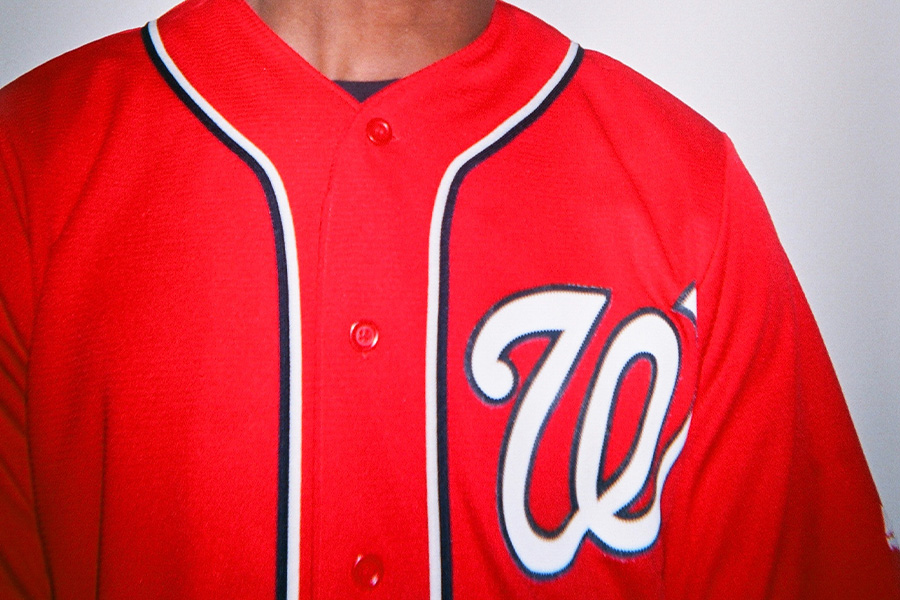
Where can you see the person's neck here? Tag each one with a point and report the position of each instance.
(373, 40)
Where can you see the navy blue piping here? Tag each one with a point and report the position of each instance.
(284, 383)
(443, 311)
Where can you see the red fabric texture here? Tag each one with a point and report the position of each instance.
(139, 330)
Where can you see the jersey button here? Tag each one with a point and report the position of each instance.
(367, 571)
(363, 335)
(379, 132)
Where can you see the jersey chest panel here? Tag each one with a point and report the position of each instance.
(155, 382)
(571, 368)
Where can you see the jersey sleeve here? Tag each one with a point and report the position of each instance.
(23, 572)
(778, 500)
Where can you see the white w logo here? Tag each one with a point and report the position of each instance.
(568, 316)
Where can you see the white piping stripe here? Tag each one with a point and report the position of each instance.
(293, 288)
(434, 289)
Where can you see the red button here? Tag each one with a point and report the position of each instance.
(363, 335)
(379, 132)
(367, 571)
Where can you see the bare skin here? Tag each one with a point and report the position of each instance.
(374, 40)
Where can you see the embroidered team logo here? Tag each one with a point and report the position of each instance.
(602, 510)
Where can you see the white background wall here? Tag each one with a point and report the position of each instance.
(808, 91)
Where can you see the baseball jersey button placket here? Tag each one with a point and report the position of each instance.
(379, 131)
(363, 335)
(368, 570)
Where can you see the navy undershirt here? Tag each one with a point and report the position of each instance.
(361, 90)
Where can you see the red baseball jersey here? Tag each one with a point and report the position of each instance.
(516, 326)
